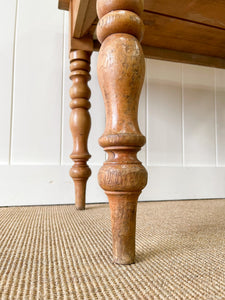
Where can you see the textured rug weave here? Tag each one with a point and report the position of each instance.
(56, 252)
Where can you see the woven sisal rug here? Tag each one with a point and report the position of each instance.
(56, 252)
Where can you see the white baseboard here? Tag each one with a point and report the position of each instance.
(174, 183)
(42, 185)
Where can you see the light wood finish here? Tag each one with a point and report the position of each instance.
(208, 12)
(171, 33)
(64, 4)
(80, 122)
(190, 31)
(83, 15)
(121, 69)
(177, 56)
(183, 57)
(200, 11)
(76, 20)
(85, 43)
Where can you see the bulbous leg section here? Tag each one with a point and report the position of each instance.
(80, 172)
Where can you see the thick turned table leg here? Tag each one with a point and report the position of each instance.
(80, 122)
(121, 69)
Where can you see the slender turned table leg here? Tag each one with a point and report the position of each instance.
(121, 69)
(80, 122)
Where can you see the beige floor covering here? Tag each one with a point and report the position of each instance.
(56, 252)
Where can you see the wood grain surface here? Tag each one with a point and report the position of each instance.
(121, 69)
(80, 122)
(185, 27)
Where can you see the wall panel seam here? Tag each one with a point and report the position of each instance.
(146, 116)
(182, 114)
(62, 93)
(12, 87)
(215, 107)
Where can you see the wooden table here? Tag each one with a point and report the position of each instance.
(188, 31)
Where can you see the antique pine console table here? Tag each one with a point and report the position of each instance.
(189, 31)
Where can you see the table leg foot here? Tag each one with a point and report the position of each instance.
(123, 208)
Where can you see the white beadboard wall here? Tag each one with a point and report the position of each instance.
(182, 114)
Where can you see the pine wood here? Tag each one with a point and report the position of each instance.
(83, 15)
(183, 57)
(63, 4)
(121, 69)
(80, 122)
(190, 31)
(185, 31)
(85, 43)
(209, 12)
(177, 56)
(175, 34)
(202, 11)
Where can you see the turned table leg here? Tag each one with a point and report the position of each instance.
(80, 122)
(121, 69)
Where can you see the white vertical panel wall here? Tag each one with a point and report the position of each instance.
(37, 90)
(7, 31)
(181, 112)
